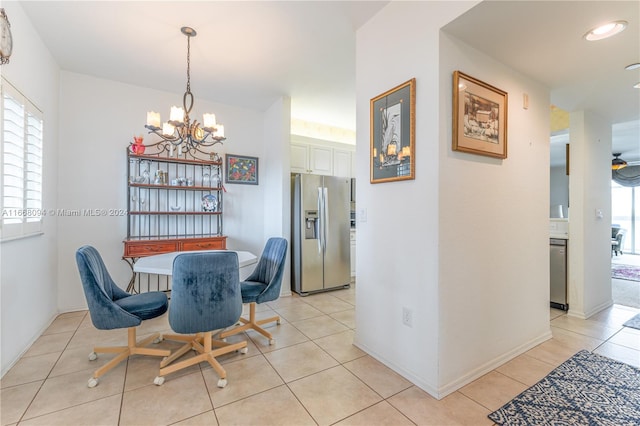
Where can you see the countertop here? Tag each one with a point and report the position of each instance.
(559, 228)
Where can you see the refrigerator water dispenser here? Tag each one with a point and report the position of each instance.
(311, 225)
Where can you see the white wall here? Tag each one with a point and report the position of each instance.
(398, 245)
(467, 253)
(99, 118)
(589, 235)
(277, 205)
(28, 266)
(494, 240)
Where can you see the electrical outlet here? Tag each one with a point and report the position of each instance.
(407, 317)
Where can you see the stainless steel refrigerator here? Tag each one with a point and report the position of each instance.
(320, 224)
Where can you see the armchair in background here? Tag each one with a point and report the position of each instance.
(617, 241)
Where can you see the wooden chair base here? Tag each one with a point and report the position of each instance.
(133, 348)
(204, 344)
(252, 324)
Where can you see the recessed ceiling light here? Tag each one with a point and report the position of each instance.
(636, 86)
(606, 30)
(632, 66)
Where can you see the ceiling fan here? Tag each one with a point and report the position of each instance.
(618, 163)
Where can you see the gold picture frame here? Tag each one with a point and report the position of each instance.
(479, 117)
(392, 154)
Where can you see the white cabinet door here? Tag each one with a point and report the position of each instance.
(299, 158)
(341, 163)
(320, 160)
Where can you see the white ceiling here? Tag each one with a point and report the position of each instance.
(250, 53)
(543, 40)
(245, 53)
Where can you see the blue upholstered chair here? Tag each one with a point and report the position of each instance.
(205, 297)
(263, 285)
(111, 307)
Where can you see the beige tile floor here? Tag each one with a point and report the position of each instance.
(313, 375)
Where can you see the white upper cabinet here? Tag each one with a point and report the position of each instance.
(299, 158)
(311, 159)
(342, 163)
(320, 160)
(311, 156)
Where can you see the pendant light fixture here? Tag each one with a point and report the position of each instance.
(179, 130)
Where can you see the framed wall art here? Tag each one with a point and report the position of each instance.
(393, 134)
(479, 117)
(241, 169)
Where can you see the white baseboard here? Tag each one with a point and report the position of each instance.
(492, 365)
(587, 314)
(427, 387)
(442, 391)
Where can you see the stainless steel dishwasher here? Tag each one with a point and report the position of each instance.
(558, 271)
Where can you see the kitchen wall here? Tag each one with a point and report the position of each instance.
(28, 285)
(444, 245)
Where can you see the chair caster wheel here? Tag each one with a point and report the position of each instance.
(92, 383)
(158, 339)
(92, 357)
(272, 342)
(222, 383)
(244, 350)
(158, 381)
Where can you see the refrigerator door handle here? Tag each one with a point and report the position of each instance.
(319, 219)
(325, 218)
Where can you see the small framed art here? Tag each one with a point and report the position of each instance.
(479, 117)
(241, 169)
(392, 152)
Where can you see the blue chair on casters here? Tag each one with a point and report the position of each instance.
(111, 307)
(205, 297)
(263, 285)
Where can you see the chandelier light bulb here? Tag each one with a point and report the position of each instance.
(168, 129)
(209, 120)
(176, 114)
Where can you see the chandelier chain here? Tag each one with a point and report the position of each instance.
(189, 64)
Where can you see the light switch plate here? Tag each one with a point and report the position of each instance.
(362, 215)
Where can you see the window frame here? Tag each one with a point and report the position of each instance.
(27, 218)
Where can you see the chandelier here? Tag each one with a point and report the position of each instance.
(179, 129)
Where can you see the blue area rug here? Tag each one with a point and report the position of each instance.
(625, 272)
(633, 323)
(587, 389)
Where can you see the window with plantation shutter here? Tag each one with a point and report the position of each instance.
(22, 137)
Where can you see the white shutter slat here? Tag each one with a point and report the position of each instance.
(22, 159)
